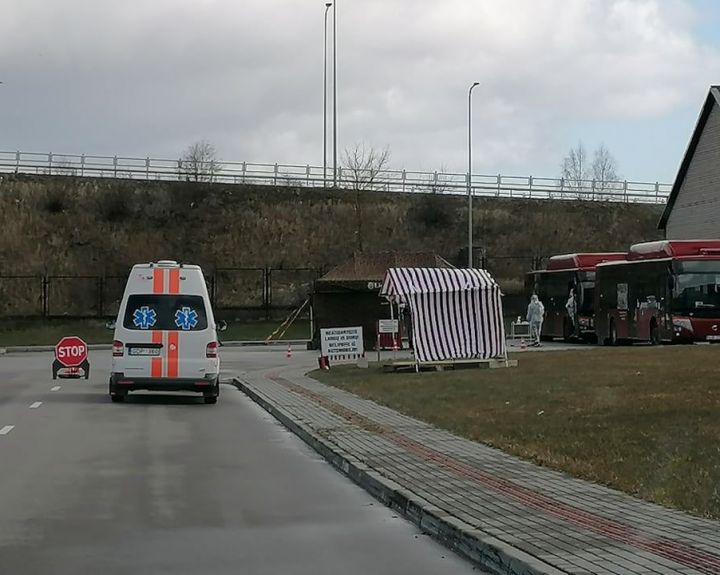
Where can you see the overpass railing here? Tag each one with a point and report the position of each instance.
(295, 175)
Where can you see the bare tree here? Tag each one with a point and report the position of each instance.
(64, 167)
(364, 165)
(604, 172)
(199, 162)
(433, 210)
(438, 182)
(575, 170)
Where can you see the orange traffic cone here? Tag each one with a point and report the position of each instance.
(289, 352)
(523, 345)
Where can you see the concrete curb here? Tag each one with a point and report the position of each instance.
(108, 347)
(471, 543)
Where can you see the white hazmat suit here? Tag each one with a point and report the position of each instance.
(535, 316)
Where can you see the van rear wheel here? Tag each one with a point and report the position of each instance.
(213, 396)
(116, 396)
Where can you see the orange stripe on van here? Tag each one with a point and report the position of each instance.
(158, 281)
(156, 363)
(175, 281)
(173, 354)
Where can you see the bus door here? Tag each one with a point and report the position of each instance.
(647, 309)
(651, 301)
(622, 313)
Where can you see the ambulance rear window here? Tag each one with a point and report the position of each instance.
(165, 313)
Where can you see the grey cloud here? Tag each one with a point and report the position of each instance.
(141, 78)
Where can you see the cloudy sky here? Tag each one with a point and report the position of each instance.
(149, 77)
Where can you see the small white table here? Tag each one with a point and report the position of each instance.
(519, 329)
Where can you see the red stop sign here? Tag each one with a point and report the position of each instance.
(71, 351)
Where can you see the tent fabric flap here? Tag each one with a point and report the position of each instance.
(405, 281)
(456, 313)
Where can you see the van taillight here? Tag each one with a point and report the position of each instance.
(212, 349)
(118, 349)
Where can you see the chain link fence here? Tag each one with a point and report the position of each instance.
(242, 292)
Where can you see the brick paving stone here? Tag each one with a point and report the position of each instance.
(576, 526)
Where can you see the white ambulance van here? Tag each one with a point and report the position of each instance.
(165, 333)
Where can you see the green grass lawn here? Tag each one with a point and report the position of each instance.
(643, 420)
(34, 332)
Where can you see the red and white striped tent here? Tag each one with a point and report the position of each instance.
(456, 313)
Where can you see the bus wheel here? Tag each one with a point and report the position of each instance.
(654, 333)
(612, 338)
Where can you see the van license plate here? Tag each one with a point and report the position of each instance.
(713, 338)
(144, 351)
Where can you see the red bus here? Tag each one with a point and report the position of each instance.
(563, 274)
(666, 291)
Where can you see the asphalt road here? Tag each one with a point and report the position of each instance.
(168, 485)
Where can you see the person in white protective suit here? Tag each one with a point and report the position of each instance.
(571, 308)
(535, 316)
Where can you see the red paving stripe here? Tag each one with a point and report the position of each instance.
(704, 562)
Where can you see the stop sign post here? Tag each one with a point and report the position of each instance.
(71, 353)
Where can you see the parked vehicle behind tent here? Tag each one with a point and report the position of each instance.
(666, 291)
(553, 285)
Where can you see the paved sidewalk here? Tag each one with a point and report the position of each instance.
(506, 514)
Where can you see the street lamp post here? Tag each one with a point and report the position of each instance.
(328, 5)
(335, 166)
(469, 178)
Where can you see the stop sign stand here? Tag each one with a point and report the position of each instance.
(71, 356)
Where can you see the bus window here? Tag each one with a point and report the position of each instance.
(622, 297)
(697, 294)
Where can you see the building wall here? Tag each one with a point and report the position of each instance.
(696, 213)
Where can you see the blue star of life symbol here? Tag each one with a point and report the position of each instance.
(186, 318)
(144, 318)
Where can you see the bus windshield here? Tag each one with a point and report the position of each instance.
(697, 294)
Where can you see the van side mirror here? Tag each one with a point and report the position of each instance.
(222, 325)
(110, 324)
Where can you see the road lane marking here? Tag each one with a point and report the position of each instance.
(36, 405)
(56, 388)
(7, 429)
